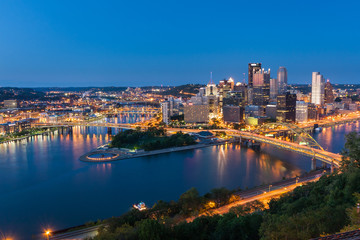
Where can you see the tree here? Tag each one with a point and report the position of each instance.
(151, 230)
(190, 201)
(351, 152)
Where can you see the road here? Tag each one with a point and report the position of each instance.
(262, 193)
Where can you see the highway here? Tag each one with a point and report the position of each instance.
(262, 193)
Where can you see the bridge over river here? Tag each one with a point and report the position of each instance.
(305, 144)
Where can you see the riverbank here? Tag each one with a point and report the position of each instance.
(258, 193)
(118, 154)
(12, 139)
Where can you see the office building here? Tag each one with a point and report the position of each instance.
(271, 111)
(225, 86)
(233, 114)
(252, 68)
(317, 89)
(196, 113)
(286, 108)
(165, 110)
(312, 112)
(274, 88)
(301, 111)
(329, 95)
(282, 80)
(261, 89)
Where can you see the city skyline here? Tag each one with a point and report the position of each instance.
(50, 45)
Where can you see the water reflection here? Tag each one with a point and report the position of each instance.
(41, 177)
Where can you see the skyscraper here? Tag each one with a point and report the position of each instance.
(253, 68)
(286, 108)
(282, 80)
(301, 111)
(329, 95)
(261, 89)
(274, 88)
(317, 89)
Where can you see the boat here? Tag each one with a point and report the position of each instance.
(140, 206)
(318, 129)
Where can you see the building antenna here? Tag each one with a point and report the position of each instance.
(244, 78)
(211, 80)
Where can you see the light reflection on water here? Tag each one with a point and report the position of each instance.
(42, 181)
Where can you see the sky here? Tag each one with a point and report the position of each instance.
(61, 43)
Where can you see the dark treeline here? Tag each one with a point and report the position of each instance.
(319, 208)
(152, 139)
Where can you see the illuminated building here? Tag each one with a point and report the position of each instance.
(196, 113)
(286, 108)
(301, 111)
(252, 68)
(274, 88)
(261, 89)
(317, 89)
(329, 95)
(233, 114)
(282, 80)
(312, 112)
(165, 110)
(271, 111)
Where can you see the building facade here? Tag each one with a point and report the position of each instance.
(317, 89)
(252, 68)
(301, 111)
(286, 108)
(282, 80)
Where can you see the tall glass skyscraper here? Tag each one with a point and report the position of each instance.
(253, 68)
(317, 89)
(282, 80)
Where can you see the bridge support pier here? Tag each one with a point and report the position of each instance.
(313, 164)
(324, 164)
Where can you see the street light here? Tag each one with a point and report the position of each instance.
(47, 233)
(270, 187)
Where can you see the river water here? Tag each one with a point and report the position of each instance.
(43, 184)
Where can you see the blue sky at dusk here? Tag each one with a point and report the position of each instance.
(138, 43)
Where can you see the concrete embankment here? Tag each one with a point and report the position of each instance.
(121, 155)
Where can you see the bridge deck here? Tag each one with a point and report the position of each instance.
(325, 156)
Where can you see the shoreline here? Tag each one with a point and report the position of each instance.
(27, 136)
(122, 156)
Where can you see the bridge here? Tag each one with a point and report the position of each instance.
(86, 124)
(135, 110)
(304, 144)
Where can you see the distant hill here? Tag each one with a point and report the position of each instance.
(81, 89)
(20, 94)
(187, 90)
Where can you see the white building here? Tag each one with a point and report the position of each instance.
(165, 110)
(301, 111)
(317, 89)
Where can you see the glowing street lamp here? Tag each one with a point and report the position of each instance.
(48, 233)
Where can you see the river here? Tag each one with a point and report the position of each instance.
(44, 185)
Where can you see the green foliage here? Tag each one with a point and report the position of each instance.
(152, 139)
(151, 230)
(190, 201)
(351, 152)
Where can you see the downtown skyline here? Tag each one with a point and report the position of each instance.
(142, 44)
